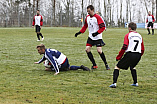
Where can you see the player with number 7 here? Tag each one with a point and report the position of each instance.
(133, 48)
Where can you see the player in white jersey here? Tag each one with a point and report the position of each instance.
(57, 59)
(150, 20)
(133, 48)
(95, 26)
(38, 22)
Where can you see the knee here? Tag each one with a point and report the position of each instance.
(87, 50)
(99, 51)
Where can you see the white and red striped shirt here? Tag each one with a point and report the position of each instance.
(150, 18)
(133, 42)
(37, 20)
(94, 24)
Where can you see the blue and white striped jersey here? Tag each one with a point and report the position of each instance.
(55, 57)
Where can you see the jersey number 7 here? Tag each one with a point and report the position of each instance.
(136, 44)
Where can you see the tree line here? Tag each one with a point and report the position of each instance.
(20, 13)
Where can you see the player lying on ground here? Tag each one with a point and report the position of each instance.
(134, 48)
(57, 59)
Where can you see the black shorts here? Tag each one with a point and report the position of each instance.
(37, 28)
(150, 24)
(130, 59)
(97, 43)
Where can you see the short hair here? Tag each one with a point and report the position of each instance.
(38, 10)
(91, 7)
(41, 46)
(132, 25)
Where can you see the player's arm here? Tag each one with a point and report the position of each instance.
(41, 60)
(125, 46)
(83, 28)
(53, 62)
(142, 48)
(41, 21)
(153, 18)
(33, 22)
(101, 26)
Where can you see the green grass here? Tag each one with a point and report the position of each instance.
(22, 81)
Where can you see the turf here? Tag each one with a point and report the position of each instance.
(22, 81)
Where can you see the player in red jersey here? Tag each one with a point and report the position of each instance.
(133, 48)
(38, 22)
(150, 20)
(95, 26)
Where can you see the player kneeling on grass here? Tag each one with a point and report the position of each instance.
(57, 59)
(134, 48)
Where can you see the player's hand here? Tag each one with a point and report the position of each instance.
(32, 26)
(40, 26)
(77, 34)
(36, 63)
(95, 34)
(56, 73)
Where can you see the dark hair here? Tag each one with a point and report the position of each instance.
(91, 7)
(41, 46)
(38, 10)
(132, 25)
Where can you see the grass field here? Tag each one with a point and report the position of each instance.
(22, 81)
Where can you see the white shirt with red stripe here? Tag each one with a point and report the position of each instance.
(94, 24)
(150, 18)
(38, 20)
(133, 42)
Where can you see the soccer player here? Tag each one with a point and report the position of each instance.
(133, 48)
(57, 59)
(38, 22)
(150, 20)
(95, 26)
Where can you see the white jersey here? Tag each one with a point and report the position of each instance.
(94, 24)
(135, 40)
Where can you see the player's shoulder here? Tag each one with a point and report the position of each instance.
(97, 16)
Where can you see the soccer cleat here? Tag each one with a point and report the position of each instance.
(113, 85)
(134, 84)
(85, 68)
(152, 33)
(107, 67)
(42, 39)
(148, 33)
(38, 40)
(94, 67)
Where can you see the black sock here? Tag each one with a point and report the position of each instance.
(152, 31)
(103, 58)
(90, 56)
(115, 75)
(38, 36)
(41, 35)
(134, 75)
(148, 30)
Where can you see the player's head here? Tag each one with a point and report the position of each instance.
(38, 12)
(41, 48)
(149, 13)
(132, 26)
(90, 10)
(97, 12)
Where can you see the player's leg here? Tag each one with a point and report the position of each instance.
(148, 28)
(115, 77)
(79, 67)
(152, 28)
(90, 56)
(124, 63)
(135, 58)
(41, 34)
(38, 32)
(102, 55)
(134, 76)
